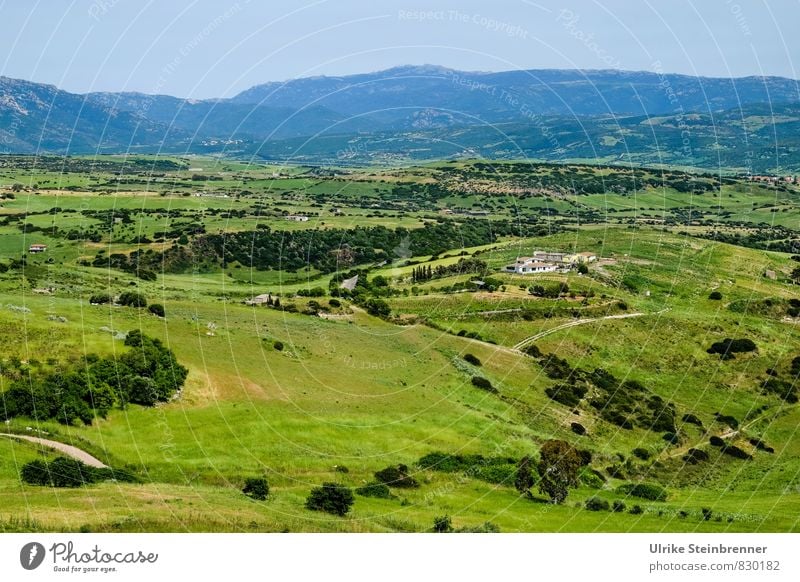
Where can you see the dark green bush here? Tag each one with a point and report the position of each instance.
(100, 298)
(577, 428)
(157, 309)
(649, 491)
(566, 394)
(597, 504)
(618, 506)
(636, 510)
(396, 477)
(727, 347)
(472, 359)
(442, 524)
(60, 472)
(715, 296)
(483, 384)
(278, 345)
(716, 441)
(374, 489)
(736, 452)
(132, 299)
(331, 498)
(695, 456)
(641, 453)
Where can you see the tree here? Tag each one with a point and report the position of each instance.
(378, 307)
(583, 269)
(795, 276)
(558, 468)
(331, 498)
(523, 479)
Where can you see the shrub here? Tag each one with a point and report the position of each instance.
(335, 303)
(715, 296)
(577, 428)
(695, 456)
(728, 347)
(692, 419)
(641, 453)
(278, 345)
(566, 394)
(596, 504)
(729, 420)
(533, 351)
(472, 359)
(442, 524)
(761, 445)
(331, 498)
(649, 491)
(60, 472)
(396, 477)
(618, 506)
(376, 490)
(716, 441)
(483, 384)
(100, 299)
(256, 488)
(736, 452)
(378, 307)
(132, 299)
(157, 309)
(707, 513)
(636, 510)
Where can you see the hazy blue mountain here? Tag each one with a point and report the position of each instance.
(425, 112)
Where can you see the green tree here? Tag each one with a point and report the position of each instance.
(558, 468)
(523, 479)
(256, 488)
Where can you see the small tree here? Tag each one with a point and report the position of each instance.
(256, 488)
(523, 480)
(331, 498)
(558, 468)
(583, 269)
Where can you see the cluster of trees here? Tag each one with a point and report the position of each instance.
(463, 266)
(326, 250)
(145, 374)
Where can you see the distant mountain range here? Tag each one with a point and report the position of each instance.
(426, 112)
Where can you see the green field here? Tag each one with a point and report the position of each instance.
(352, 391)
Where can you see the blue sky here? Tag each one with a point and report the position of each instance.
(206, 48)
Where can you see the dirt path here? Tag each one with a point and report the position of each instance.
(69, 450)
(569, 324)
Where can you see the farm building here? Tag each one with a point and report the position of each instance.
(297, 217)
(585, 257)
(529, 265)
(37, 248)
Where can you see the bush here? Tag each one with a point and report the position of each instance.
(396, 477)
(649, 491)
(692, 419)
(716, 441)
(707, 513)
(335, 303)
(157, 309)
(378, 308)
(256, 488)
(636, 510)
(566, 394)
(736, 452)
(483, 384)
(577, 428)
(641, 453)
(618, 506)
(472, 359)
(695, 456)
(132, 299)
(331, 498)
(761, 445)
(442, 524)
(533, 351)
(715, 296)
(278, 345)
(60, 472)
(728, 347)
(596, 504)
(376, 490)
(100, 299)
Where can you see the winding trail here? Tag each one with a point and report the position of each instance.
(569, 324)
(69, 450)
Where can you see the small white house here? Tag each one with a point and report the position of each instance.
(297, 217)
